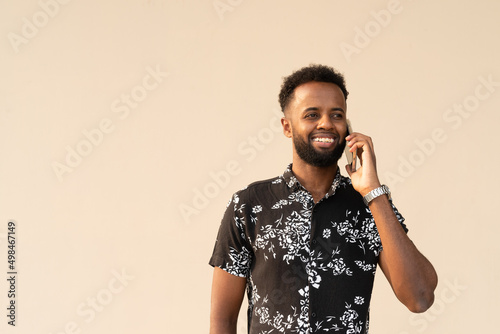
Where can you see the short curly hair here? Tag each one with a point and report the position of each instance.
(313, 72)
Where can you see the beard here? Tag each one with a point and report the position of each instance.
(313, 157)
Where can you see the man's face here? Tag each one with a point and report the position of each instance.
(316, 121)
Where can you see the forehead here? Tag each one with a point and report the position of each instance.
(319, 93)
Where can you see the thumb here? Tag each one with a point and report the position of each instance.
(348, 169)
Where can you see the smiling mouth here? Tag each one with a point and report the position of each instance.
(323, 140)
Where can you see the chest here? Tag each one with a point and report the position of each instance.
(334, 235)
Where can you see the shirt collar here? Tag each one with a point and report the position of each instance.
(295, 185)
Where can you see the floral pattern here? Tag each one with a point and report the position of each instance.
(309, 266)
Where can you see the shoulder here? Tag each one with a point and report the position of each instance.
(261, 191)
(261, 187)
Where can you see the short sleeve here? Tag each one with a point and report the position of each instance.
(232, 251)
(399, 217)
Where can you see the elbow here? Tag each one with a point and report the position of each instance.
(421, 304)
(423, 298)
(419, 299)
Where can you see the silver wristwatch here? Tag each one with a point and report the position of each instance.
(383, 189)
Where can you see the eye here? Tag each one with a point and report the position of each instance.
(338, 115)
(311, 115)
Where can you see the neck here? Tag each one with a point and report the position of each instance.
(316, 180)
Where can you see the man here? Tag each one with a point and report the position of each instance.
(306, 244)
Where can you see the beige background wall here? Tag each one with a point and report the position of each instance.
(125, 126)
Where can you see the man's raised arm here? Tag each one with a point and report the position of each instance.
(412, 277)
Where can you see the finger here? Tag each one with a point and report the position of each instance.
(357, 146)
(362, 146)
(355, 137)
(349, 170)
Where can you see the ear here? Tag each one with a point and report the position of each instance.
(287, 127)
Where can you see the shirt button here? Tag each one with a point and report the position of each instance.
(313, 315)
(314, 241)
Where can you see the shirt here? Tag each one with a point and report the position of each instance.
(309, 266)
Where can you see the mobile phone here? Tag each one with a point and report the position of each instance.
(351, 157)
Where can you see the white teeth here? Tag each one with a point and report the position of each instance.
(324, 140)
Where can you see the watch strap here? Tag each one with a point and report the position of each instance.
(383, 189)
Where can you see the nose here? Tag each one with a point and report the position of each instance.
(325, 122)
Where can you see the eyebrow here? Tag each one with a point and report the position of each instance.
(316, 109)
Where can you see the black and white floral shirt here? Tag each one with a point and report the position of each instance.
(309, 267)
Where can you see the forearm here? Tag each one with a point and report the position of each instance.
(411, 275)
